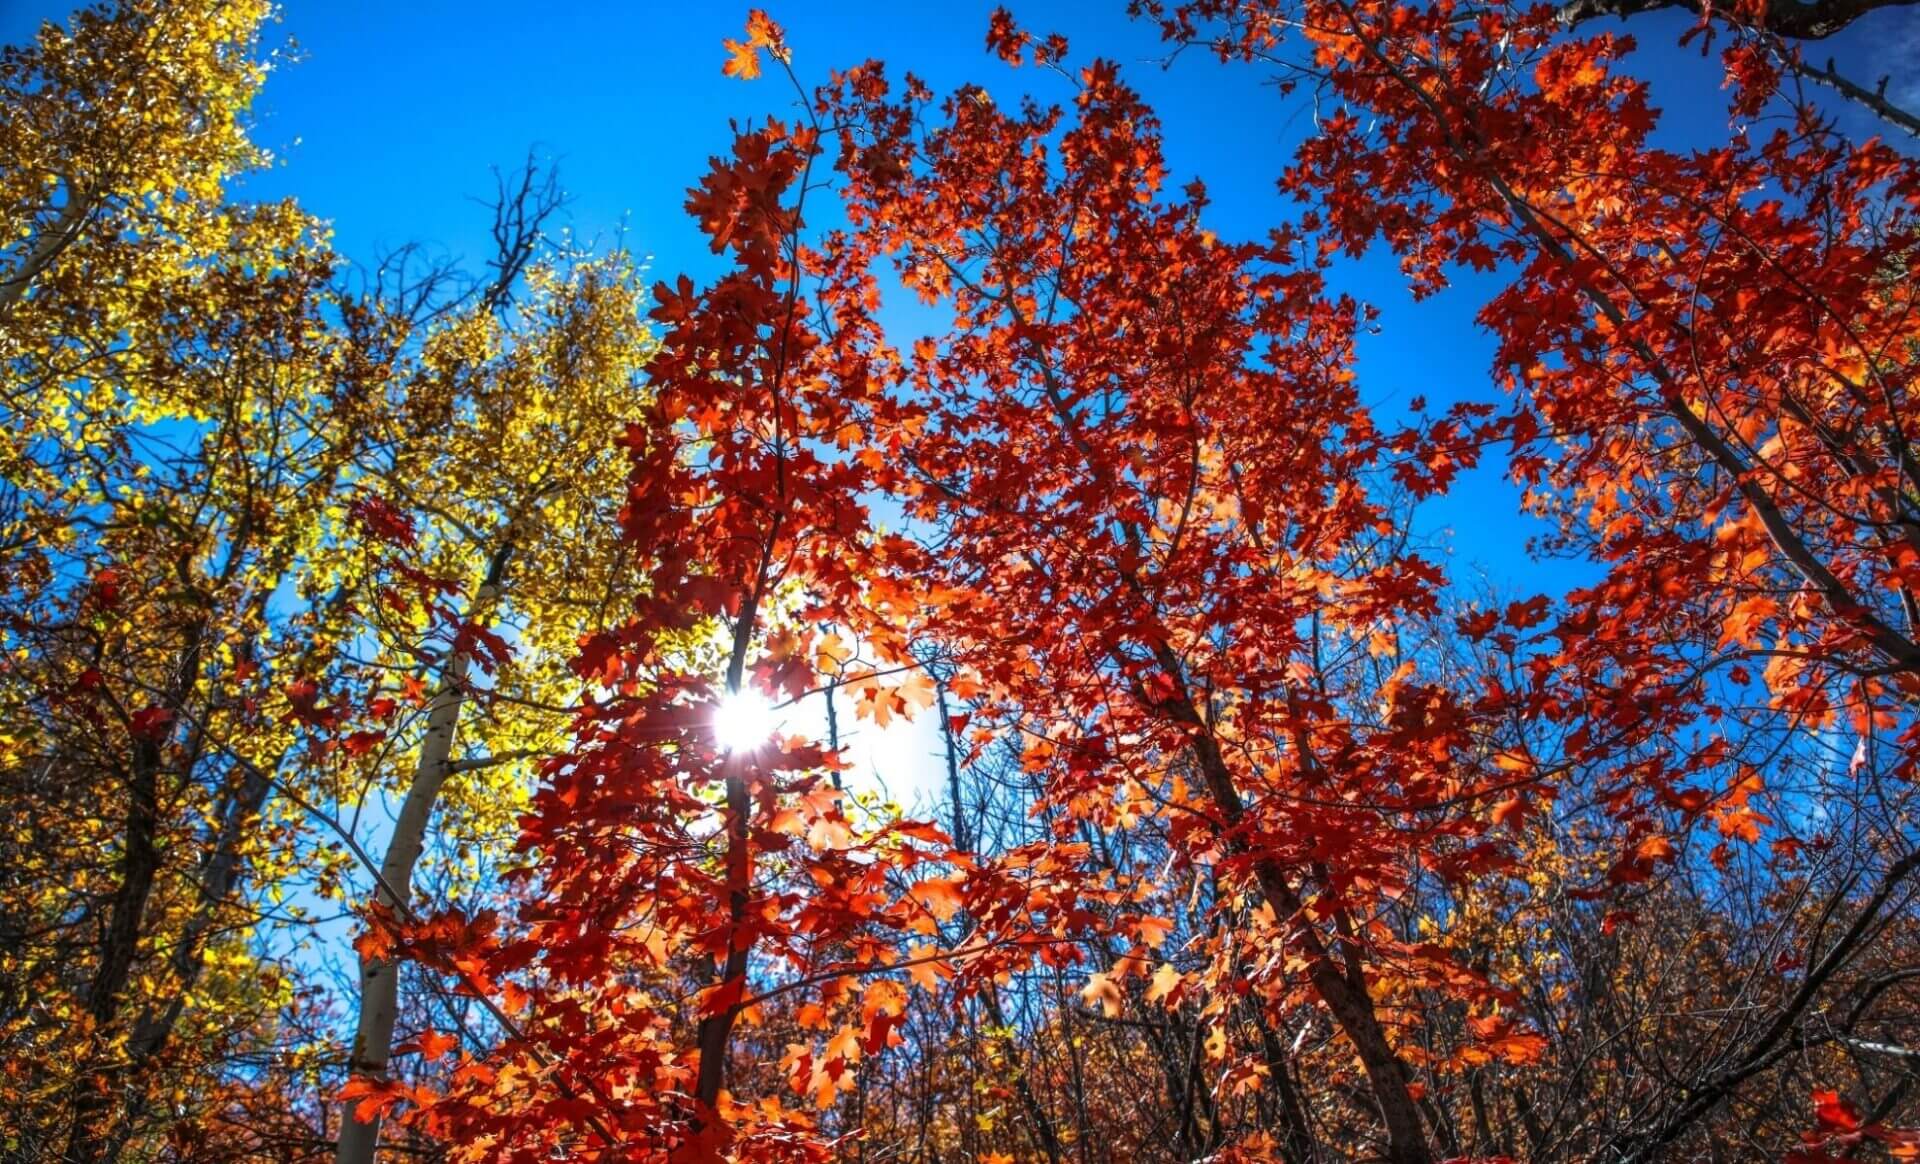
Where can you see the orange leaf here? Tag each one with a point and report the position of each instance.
(1101, 991)
(434, 1045)
(1153, 930)
(743, 61)
(940, 896)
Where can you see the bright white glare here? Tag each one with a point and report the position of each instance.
(743, 720)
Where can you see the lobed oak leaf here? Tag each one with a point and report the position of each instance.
(375, 1097)
(150, 724)
(1166, 980)
(1834, 1113)
(106, 587)
(831, 654)
(1153, 930)
(361, 743)
(1499, 1037)
(1654, 848)
(939, 896)
(434, 1045)
(762, 32)
(1216, 1044)
(925, 970)
(844, 1047)
(883, 1031)
(1512, 811)
(720, 997)
(743, 60)
(1529, 613)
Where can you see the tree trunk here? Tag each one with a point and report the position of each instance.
(380, 978)
(139, 866)
(139, 863)
(219, 874)
(57, 238)
(1342, 989)
(716, 1029)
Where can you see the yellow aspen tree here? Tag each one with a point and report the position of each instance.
(514, 506)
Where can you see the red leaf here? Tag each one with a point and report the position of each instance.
(150, 724)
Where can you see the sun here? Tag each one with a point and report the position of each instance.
(744, 720)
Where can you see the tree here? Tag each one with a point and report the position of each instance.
(1713, 351)
(655, 847)
(1157, 436)
(509, 506)
(1261, 838)
(185, 385)
(240, 501)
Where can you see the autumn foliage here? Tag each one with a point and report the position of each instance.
(1261, 834)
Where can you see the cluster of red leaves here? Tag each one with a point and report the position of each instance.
(1839, 1130)
(651, 842)
(1154, 436)
(1712, 354)
(1709, 344)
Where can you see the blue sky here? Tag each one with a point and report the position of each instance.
(387, 117)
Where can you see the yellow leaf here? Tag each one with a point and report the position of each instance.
(845, 1046)
(1165, 981)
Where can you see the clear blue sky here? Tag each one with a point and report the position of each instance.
(390, 115)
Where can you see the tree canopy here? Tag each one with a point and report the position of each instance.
(425, 692)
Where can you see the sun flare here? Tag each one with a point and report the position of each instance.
(744, 720)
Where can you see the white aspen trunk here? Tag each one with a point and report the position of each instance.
(380, 979)
(47, 248)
